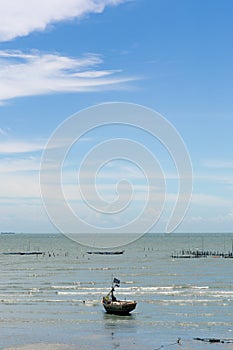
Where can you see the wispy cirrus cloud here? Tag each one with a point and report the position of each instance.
(19, 165)
(16, 147)
(224, 218)
(35, 73)
(218, 164)
(21, 17)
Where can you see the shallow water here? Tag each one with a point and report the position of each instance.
(55, 298)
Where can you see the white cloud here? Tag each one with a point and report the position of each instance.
(8, 165)
(19, 185)
(14, 147)
(230, 215)
(216, 172)
(219, 164)
(23, 74)
(206, 200)
(217, 219)
(21, 17)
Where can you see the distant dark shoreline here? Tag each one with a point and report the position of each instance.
(7, 233)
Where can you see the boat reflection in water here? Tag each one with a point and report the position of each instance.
(117, 307)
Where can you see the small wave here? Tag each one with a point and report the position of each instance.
(188, 301)
(137, 290)
(77, 293)
(80, 288)
(41, 346)
(65, 287)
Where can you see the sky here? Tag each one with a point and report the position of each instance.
(60, 57)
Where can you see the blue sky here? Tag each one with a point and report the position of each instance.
(58, 57)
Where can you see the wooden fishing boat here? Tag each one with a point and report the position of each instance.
(117, 307)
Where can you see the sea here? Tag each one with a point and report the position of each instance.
(53, 300)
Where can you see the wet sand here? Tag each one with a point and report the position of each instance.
(184, 345)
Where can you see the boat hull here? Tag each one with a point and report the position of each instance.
(119, 307)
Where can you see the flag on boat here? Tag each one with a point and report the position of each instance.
(117, 282)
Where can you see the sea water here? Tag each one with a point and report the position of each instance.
(55, 297)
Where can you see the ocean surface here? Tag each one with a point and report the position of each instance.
(53, 300)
